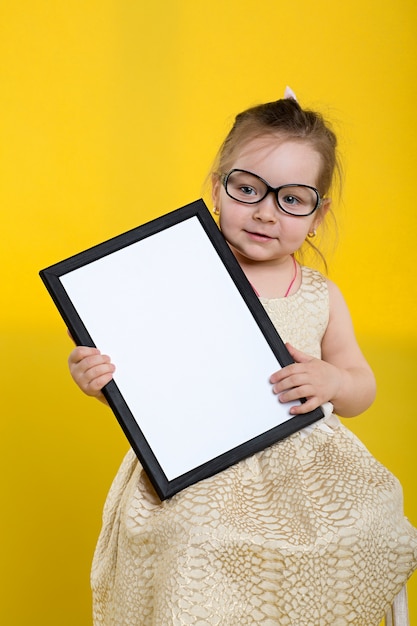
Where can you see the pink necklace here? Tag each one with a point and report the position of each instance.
(292, 280)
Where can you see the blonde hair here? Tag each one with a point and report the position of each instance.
(288, 122)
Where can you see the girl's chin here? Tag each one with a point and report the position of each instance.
(253, 256)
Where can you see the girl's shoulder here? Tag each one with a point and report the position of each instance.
(326, 291)
(311, 272)
(313, 279)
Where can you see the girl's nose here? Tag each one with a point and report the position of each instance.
(266, 210)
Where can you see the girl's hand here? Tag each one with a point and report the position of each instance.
(91, 370)
(310, 378)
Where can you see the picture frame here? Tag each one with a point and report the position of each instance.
(192, 344)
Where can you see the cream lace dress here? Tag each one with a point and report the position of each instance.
(308, 532)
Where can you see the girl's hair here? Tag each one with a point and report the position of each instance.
(289, 122)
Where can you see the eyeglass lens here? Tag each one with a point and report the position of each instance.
(250, 189)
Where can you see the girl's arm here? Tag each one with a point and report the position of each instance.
(91, 371)
(342, 376)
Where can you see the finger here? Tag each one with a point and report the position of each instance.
(94, 379)
(305, 407)
(296, 393)
(89, 369)
(284, 373)
(297, 355)
(291, 377)
(95, 385)
(81, 352)
(92, 362)
(85, 359)
(96, 369)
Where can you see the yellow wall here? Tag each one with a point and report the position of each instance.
(110, 114)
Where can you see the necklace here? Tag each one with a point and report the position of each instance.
(292, 280)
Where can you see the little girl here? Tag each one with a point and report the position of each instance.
(311, 530)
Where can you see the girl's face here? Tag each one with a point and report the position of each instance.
(263, 232)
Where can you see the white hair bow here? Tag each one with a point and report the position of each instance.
(289, 94)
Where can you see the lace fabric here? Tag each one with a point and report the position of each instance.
(308, 532)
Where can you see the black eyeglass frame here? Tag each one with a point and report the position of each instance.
(275, 190)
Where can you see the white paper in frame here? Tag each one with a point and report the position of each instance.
(193, 346)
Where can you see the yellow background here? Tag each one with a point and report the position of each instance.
(110, 114)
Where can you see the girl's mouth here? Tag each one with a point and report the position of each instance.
(258, 236)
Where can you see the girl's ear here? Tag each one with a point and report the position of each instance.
(321, 213)
(215, 189)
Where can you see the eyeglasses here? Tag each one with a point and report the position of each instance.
(249, 188)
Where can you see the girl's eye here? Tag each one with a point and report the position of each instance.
(291, 200)
(247, 190)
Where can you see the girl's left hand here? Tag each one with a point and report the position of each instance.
(310, 378)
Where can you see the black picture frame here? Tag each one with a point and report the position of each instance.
(193, 346)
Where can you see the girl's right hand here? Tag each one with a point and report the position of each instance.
(91, 370)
